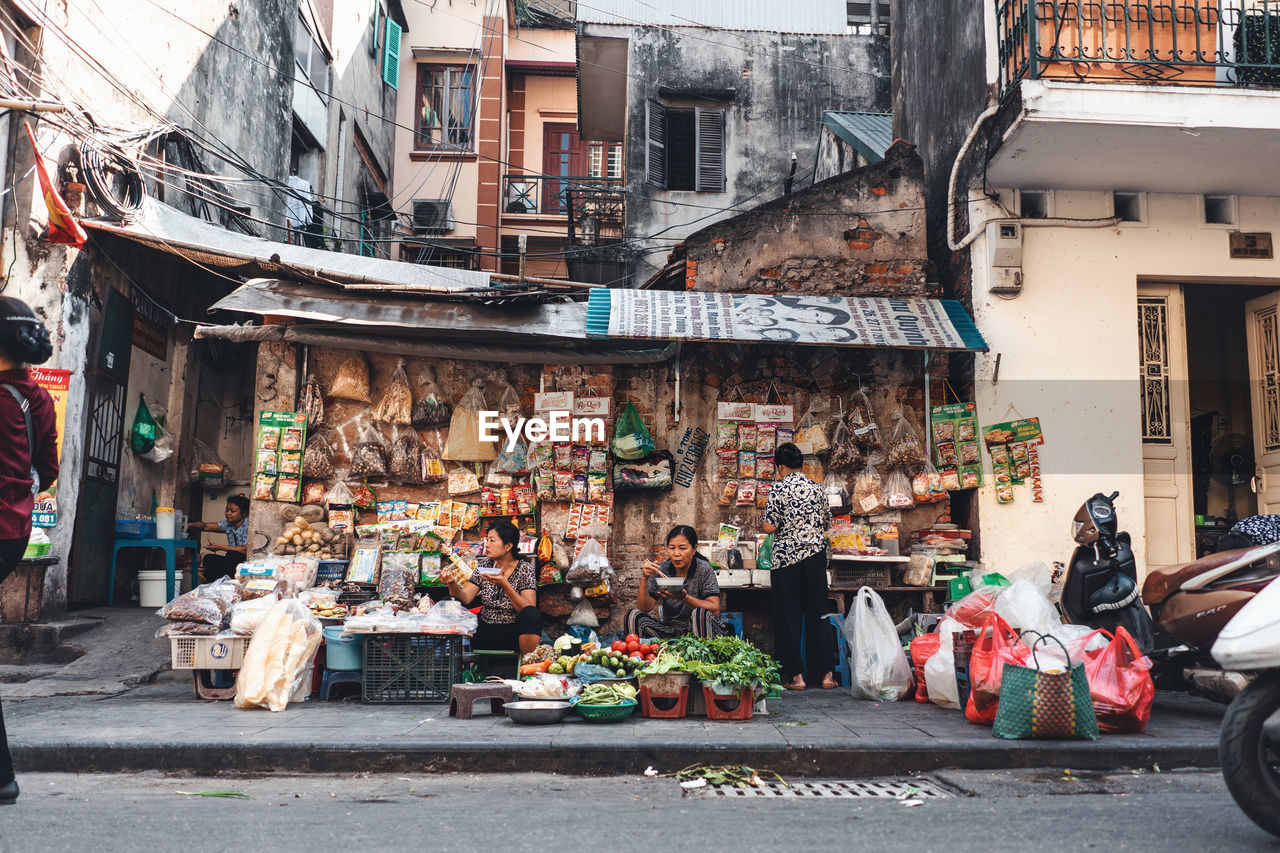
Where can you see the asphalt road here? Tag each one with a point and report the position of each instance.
(987, 811)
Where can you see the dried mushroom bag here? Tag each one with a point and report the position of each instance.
(905, 450)
(406, 456)
(370, 456)
(311, 402)
(399, 574)
(317, 459)
(431, 409)
(396, 405)
(868, 492)
(845, 455)
(352, 380)
(464, 444)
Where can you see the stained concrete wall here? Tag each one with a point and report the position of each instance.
(781, 84)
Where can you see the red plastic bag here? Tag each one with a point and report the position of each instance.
(972, 610)
(997, 645)
(1120, 684)
(923, 647)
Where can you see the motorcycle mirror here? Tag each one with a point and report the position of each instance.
(1114, 495)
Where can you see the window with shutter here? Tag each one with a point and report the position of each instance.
(391, 55)
(656, 145)
(710, 150)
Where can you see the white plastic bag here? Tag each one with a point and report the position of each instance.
(591, 564)
(1025, 609)
(451, 617)
(279, 656)
(940, 670)
(878, 666)
(1039, 573)
(584, 615)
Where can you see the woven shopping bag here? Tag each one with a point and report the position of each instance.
(1035, 703)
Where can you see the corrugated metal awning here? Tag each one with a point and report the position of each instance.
(870, 134)
(898, 323)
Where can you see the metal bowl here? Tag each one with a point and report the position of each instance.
(537, 712)
(669, 583)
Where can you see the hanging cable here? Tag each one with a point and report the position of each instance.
(100, 173)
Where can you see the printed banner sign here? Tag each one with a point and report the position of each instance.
(592, 407)
(56, 382)
(906, 322)
(553, 401)
(735, 411)
(775, 413)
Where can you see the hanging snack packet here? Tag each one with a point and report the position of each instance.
(291, 463)
(311, 403)
(726, 435)
(352, 380)
(580, 459)
(765, 469)
(288, 489)
(291, 439)
(868, 492)
(313, 494)
(564, 457)
(762, 495)
(264, 488)
(726, 464)
(747, 434)
(598, 460)
(811, 467)
(541, 455)
(746, 494)
(396, 405)
(563, 485)
(432, 466)
(897, 490)
(786, 435)
(810, 437)
(766, 438)
(544, 485)
(728, 493)
(362, 496)
(920, 488)
(578, 485)
(950, 479)
(370, 456)
(463, 481)
(746, 464)
(269, 438)
(597, 487)
(268, 463)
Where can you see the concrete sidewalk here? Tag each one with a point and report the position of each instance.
(164, 727)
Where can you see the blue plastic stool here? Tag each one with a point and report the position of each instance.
(734, 620)
(335, 676)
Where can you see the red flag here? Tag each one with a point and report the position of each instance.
(63, 228)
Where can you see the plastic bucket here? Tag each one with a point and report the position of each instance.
(151, 592)
(166, 523)
(343, 654)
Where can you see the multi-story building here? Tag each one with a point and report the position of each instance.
(719, 107)
(1099, 190)
(487, 147)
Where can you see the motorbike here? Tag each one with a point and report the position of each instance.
(1189, 604)
(1249, 745)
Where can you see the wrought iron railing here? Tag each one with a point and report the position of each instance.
(1186, 42)
(546, 195)
(597, 213)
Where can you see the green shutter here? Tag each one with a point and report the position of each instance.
(391, 55)
(366, 235)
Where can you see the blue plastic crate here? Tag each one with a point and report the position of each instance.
(135, 529)
(331, 570)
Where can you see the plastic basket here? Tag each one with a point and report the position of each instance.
(606, 713)
(36, 549)
(207, 652)
(735, 707)
(401, 668)
(844, 574)
(331, 570)
(350, 598)
(664, 706)
(135, 529)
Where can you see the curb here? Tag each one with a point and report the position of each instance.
(603, 759)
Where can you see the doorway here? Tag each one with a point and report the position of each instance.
(563, 156)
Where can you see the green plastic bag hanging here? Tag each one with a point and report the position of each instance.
(143, 435)
(631, 439)
(764, 560)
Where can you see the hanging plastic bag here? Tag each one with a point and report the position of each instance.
(809, 435)
(142, 437)
(431, 409)
(509, 403)
(764, 560)
(838, 497)
(311, 403)
(514, 461)
(996, 645)
(905, 450)
(878, 668)
(396, 405)
(862, 420)
(1120, 683)
(162, 449)
(432, 466)
(208, 470)
(897, 490)
(463, 481)
(340, 496)
(464, 444)
(845, 455)
(406, 456)
(591, 564)
(631, 438)
(868, 492)
(352, 380)
(584, 615)
(317, 459)
(923, 647)
(370, 457)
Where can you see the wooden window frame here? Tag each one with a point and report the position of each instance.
(424, 69)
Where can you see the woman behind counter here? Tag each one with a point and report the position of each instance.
(694, 608)
(509, 617)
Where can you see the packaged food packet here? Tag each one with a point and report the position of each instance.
(352, 380)
(905, 449)
(432, 466)
(311, 402)
(868, 492)
(464, 442)
(396, 405)
(370, 456)
(406, 456)
(317, 460)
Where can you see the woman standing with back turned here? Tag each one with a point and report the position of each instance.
(28, 456)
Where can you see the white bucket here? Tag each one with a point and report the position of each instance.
(151, 588)
(166, 523)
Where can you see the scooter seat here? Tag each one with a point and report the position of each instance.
(1162, 583)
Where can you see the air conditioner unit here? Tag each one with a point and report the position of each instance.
(522, 197)
(432, 216)
(1004, 257)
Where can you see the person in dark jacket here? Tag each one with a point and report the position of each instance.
(28, 456)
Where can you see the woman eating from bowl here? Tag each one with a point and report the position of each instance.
(507, 587)
(692, 606)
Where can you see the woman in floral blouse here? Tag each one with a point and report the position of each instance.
(798, 516)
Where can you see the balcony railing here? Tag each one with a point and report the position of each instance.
(546, 195)
(597, 213)
(1185, 42)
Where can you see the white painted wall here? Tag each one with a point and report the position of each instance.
(1068, 354)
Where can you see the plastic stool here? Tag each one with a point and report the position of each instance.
(841, 665)
(463, 698)
(211, 690)
(734, 620)
(334, 676)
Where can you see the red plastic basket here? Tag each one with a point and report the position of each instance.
(738, 707)
(670, 706)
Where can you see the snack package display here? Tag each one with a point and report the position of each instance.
(541, 455)
(838, 497)
(370, 456)
(598, 460)
(396, 405)
(264, 488)
(464, 442)
(352, 380)
(580, 460)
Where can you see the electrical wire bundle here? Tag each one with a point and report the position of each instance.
(102, 171)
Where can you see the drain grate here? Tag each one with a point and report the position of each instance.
(825, 790)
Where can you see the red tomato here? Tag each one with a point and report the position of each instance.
(648, 657)
(618, 646)
(631, 638)
(633, 646)
(635, 655)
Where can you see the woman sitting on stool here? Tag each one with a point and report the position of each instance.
(509, 617)
(693, 608)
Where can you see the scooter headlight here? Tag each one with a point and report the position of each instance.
(1076, 527)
